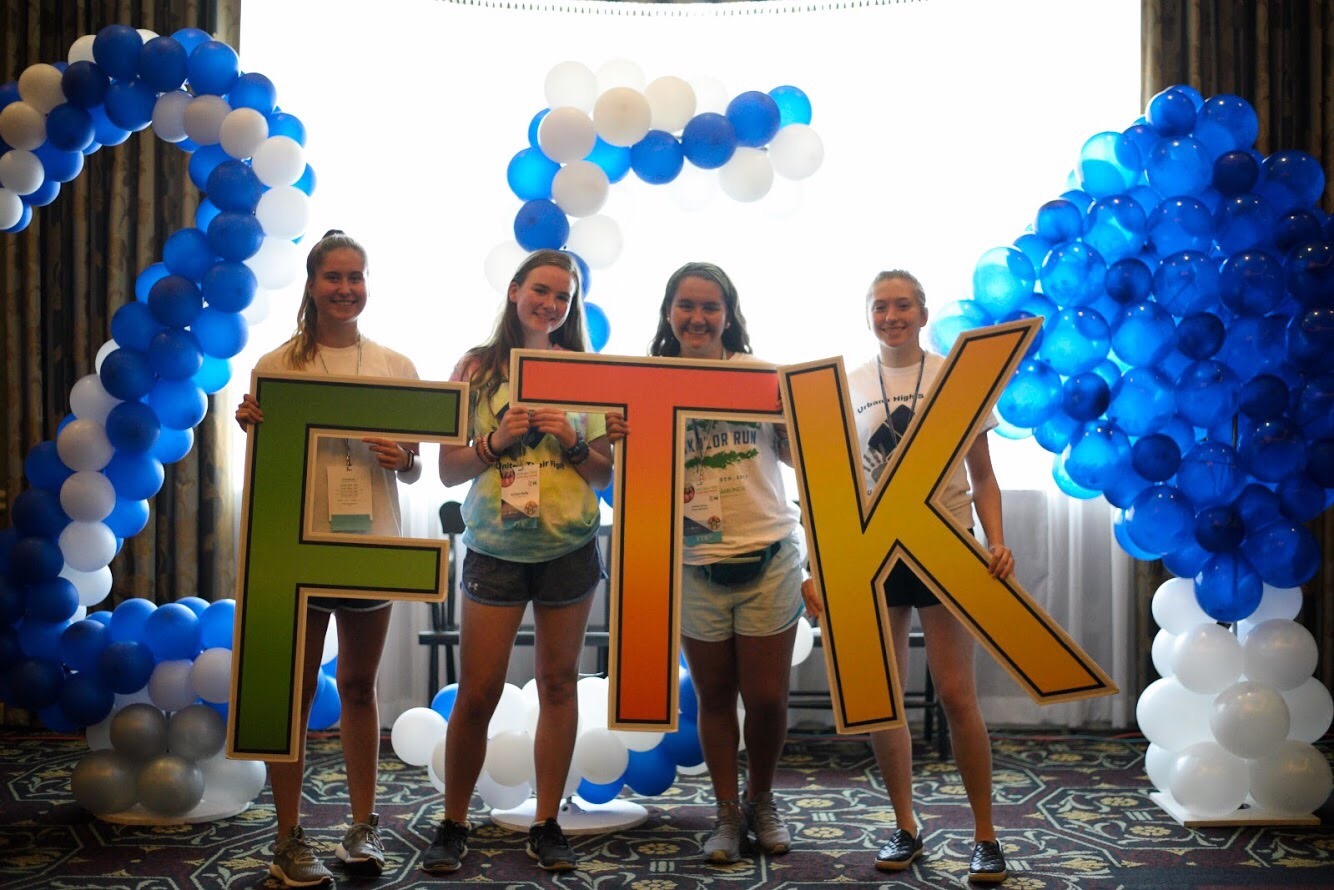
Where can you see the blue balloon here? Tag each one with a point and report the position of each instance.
(530, 174)
(1272, 450)
(283, 124)
(1171, 112)
(533, 126)
(1320, 461)
(1096, 455)
(104, 131)
(1073, 274)
(13, 603)
(212, 68)
(327, 706)
(1059, 221)
(1033, 246)
(135, 476)
(1180, 223)
(709, 140)
(85, 700)
(953, 320)
(1263, 397)
(1122, 535)
(175, 301)
(43, 468)
(688, 701)
(202, 164)
(1144, 333)
(205, 213)
(47, 192)
(1186, 283)
(1200, 335)
(143, 284)
(1161, 519)
(1209, 474)
(443, 702)
(82, 643)
(196, 604)
(25, 217)
(1117, 228)
(190, 38)
(127, 374)
(650, 773)
(1301, 497)
(1065, 483)
(172, 445)
(1219, 529)
(127, 518)
(306, 182)
(1003, 280)
(1227, 588)
(1245, 222)
(682, 746)
(41, 639)
(175, 354)
(221, 334)
(595, 793)
(162, 64)
(229, 286)
(1309, 272)
(54, 600)
(34, 683)
(1156, 457)
(233, 186)
(613, 159)
(541, 224)
(216, 625)
(125, 666)
(213, 375)
(172, 632)
(657, 158)
(59, 166)
(1085, 396)
(84, 84)
(179, 403)
(253, 90)
(599, 328)
(1109, 163)
(1292, 180)
(37, 511)
(129, 104)
(235, 236)
(794, 107)
(1295, 228)
(1227, 123)
(755, 118)
(1076, 340)
(1235, 173)
(1207, 393)
(1032, 395)
(1314, 408)
(1122, 490)
(69, 128)
(116, 51)
(1251, 283)
(1179, 166)
(186, 254)
(1142, 401)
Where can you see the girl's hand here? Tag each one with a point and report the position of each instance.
(391, 455)
(617, 428)
(554, 422)
(248, 412)
(513, 427)
(813, 605)
(1002, 561)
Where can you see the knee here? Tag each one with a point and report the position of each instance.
(471, 707)
(557, 690)
(357, 692)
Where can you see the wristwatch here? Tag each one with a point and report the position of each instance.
(578, 452)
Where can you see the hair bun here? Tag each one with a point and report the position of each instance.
(332, 232)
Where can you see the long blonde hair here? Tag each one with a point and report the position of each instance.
(302, 347)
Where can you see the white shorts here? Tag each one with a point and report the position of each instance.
(768, 605)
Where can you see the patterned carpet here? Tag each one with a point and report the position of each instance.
(1073, 812)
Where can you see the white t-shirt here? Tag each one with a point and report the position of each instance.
(742, 460)
(881, 424)
(375, 361)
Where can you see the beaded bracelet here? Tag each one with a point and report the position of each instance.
(484, 451)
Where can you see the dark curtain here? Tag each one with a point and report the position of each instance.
(66, 274)
(1279, 56)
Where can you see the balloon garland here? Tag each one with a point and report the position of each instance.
(1186, 373)
(122, 673)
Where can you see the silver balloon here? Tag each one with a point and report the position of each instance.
(170, 785)
(104, 782)
(196, 733)
(139, 731)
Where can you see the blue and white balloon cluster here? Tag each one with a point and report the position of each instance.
(597, 129)
(170, 348)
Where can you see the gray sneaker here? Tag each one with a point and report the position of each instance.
(771, 835)
(295, 863)
(724, 845)
(361, 850)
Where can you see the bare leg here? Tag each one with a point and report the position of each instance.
(286, 778)
(714, 672)
(559, 635)
(484, 654)
(949, 653)
(361, 637)
(893, 747)
(764, 685)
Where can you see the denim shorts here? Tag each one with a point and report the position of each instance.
(345, 604)
(562, 581)
(768, 605)
(904, 588)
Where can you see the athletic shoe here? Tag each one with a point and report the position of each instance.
(448, 849)
(724, 845)
(360, 849)
(295, 863)
(547, 844)
(771, 835)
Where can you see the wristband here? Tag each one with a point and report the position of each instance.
(412, 459)
(578, 452)
(482, 446)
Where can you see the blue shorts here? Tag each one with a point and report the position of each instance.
(562, 581)
(768, 605)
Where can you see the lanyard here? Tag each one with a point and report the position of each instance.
(347, 444)
(916, 389)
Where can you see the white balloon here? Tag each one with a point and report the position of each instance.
(566, 134)
(169, 115)
(639, 741)
(1280, 653)
(21, 172)
(501, 797)
(1277, 602)
(415, 734)
(232, 782)
(93, 587)
(89, 400)
(570, 84)
(694, 189)
(1206, 658)
(672, 103)
(330, 651)
(147, 34)
(1161, 652)
(203, 118)
(511, 714)
(804, 642)
(509, 758)
(171, 687)
(277, 263)
(1208, 781)
(435, 767)
(1312, 710)
(283, 212)
(593, 694)
(11, 209)
(597, 239)
(1294, 778)
(600, 756)
(81, 50)
(22, 126)
(1175, 607)
(103, 351)
(258, 310)
(212, 674)
(620, 73)
(796, 151)
(580, 188)
(504, 259)
(1158, 763)
(87, 546)
(1249, 718)
(39, 86)
(1172, 716)
(87, 496)
(242, 131)
(710, 95)
(747, 176)
(279, 160)
(621, 116)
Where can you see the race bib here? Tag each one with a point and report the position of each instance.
(350, 498)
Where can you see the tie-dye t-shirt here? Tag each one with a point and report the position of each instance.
(569, 514)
